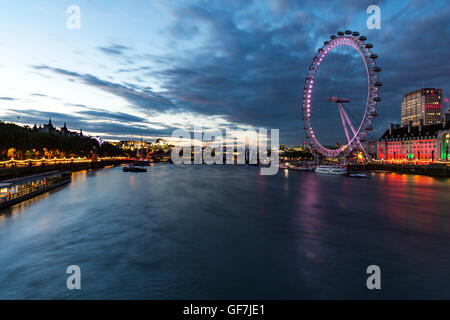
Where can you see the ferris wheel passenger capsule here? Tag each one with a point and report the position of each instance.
(363, 38)
(348, 32)
(369, 45)
(340, 33)
(355, 33)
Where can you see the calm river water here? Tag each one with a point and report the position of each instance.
(213, 232)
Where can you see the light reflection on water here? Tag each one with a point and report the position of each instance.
(227, 232)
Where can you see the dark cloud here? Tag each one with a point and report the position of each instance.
(8, 99)
(252, 66)
(144, 68)
(41, 117)
(140, 97)
(114, 49)
(247, 61)
(83, 120)
(102, 115)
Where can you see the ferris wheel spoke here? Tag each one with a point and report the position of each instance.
(341, 107)
(341, 111)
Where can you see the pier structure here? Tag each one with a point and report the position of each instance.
(17, 190)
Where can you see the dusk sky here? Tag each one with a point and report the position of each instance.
(148, 67)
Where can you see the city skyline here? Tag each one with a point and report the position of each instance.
(225, 159)
(155, 67)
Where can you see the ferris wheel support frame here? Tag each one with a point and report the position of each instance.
(346, 118)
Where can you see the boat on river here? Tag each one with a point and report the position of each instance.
(142, 163)
(132, 168)
(17, 190)
(302, 168)
(332, 170)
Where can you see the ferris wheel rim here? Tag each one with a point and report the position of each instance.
(372, 70)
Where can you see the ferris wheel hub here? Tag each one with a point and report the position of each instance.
(339, 99)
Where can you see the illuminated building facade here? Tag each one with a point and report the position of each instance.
(442, 145)
(132, 145)
(425, 104)
(423, 143)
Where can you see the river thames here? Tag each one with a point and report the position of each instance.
(226, 232)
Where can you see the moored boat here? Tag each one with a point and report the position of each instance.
(283, 166)
(302, 168)
(332, 170)
(142, 163)
(17, 190)
(133, 169)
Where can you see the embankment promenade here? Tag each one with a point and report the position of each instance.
(15, 172)
(435, 170)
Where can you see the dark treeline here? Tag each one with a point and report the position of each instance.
(24, 143)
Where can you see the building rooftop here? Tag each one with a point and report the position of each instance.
(430, 131)
(424, 90)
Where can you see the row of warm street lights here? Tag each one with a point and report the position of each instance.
(21, 163)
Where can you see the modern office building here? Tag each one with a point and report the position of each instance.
(425, 103)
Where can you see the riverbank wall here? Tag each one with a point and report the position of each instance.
(16, 172)
(434, 170)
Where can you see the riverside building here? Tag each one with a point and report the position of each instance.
(422, 143)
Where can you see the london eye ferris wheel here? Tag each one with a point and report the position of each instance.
(355, 129)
